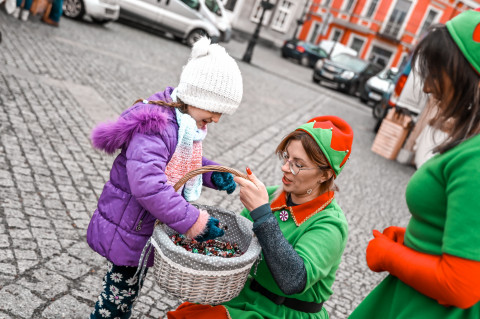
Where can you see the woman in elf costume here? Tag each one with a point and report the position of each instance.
(434, 264)
(300, 226)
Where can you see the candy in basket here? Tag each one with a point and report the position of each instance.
(200, 278)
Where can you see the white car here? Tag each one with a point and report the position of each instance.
(101, 11)
(186, 20)
(378, 86)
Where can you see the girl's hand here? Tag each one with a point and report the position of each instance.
(253, 193)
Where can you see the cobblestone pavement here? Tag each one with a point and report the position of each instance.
(57, 83)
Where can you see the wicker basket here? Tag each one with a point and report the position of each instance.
(199, 278)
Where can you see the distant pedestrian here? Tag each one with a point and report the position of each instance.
(300, 226)
(53, 18)
(160, 140)
(25, 10)
(434, 263)
(10, 5)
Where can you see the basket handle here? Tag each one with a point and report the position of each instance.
(205, 169)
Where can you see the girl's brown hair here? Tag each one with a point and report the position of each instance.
(182, 107)
(435, 57)
(314, 153)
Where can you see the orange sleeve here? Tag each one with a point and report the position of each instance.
(451, 280)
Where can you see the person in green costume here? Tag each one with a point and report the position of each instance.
(300, 226)
(434, 263)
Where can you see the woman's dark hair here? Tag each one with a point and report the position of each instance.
(182, 107)
(314, 153)
(436, 56)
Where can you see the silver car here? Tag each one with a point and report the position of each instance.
(184, 19)
(101, 11)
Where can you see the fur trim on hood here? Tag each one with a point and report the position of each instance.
(111, 136)
(140, 118)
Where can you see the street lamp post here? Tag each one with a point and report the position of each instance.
(247, 57)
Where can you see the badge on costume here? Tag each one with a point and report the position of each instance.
(283, 215)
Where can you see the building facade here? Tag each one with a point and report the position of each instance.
(279, 24)
(383, 31)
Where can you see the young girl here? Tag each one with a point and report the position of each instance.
(160, 139)
(434, 264)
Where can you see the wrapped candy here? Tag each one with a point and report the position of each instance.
(212, 247)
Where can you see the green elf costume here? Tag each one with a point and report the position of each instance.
(302, 245)
(434, 264)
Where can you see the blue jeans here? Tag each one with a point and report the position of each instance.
(56, 11)
(28, 4)
(120, 289)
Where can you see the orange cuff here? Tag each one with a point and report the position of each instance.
(451, 280)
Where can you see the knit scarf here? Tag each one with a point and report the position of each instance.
(187, 156)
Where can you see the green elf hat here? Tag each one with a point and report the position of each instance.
(465, 31)
(334, 136)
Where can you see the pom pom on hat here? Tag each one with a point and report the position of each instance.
(211, 79)
(465, 31)
(334, 136)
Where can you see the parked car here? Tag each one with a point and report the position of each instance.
(335, 48)
(344, 72)
(407, 95)
(215, 12)
(305, 53)
(378, 86)
(186, 20)
(101, 11)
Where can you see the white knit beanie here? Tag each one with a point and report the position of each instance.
(211, 79)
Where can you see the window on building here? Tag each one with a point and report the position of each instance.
(371, 8)
(314, 33)
(380, 56)
(430, 18)
(283, 15)
(357, 44)
(396, 19)
(257, 12)
(349, 5)
(337, 34)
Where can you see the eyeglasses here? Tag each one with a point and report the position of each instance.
(295, 168)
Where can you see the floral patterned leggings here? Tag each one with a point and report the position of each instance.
(120, 290)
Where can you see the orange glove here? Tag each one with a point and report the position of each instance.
(395, 233)
(451, 280)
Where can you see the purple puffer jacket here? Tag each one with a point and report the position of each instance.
(137, 193)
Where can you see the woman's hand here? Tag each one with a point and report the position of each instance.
(395, 233)
(378, 250)
(253, 193)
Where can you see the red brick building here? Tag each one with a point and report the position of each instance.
(381, 30)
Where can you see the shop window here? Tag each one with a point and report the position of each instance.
(314, 33)
(357, 44)
(337, 34)
(380, 56)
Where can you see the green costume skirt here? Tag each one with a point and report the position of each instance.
(253, 305)
(392, 299)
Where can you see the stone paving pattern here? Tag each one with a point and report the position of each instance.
(57, 83)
